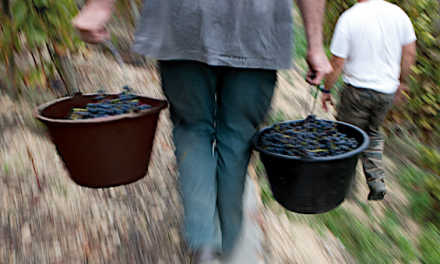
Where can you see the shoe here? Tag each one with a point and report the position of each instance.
(205, 255)
(377, 190)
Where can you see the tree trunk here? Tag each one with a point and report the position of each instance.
(12, 83)
(65, 69)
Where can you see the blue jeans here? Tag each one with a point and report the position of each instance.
(215, 112)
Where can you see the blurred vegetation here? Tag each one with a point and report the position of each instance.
(423, 181)
(128, 10)
(41, 31)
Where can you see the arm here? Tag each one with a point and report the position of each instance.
(312, 12)
(337, 64)
(91, 21)
(408, 59)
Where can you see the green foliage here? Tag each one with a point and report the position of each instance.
(384, 243)
(6, 168)
(279, 116)
(128, 9)
(266, 194)
(423, 110)
(430, 245)
(300, 45)
(45, 21)
(424, 105)
(36, 25)
(334, 9)
(423, 186)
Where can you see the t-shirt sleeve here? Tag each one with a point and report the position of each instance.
(340, 44)
(408, 34)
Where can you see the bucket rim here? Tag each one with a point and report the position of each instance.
(347, 155)
(37, 113)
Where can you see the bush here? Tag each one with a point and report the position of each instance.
(423, 186)
(35, 26)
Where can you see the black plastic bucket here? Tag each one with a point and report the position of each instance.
(312, 186)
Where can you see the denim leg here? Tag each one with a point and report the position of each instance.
(190, 89)
(244, 96)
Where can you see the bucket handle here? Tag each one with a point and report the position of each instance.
(118, 58)
(312, 105)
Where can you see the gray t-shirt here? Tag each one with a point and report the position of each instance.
(235, 33)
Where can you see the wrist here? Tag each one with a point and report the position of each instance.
(404, 78)
(315, 47)
(94, 15)
(323, 89)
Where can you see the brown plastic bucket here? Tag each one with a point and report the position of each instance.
(102, 152)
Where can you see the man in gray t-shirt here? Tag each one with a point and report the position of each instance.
(218, 61)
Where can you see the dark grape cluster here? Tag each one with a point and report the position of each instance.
(125, 103)
(308, 139)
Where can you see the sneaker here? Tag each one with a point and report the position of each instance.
(377, 190)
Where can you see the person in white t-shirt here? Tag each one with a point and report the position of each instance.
(374, 44)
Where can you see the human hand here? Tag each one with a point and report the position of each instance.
(400, 97)
(326, 98)
(91, 21)
(319, 66)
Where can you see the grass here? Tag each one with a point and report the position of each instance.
(368, 244)
(278, 116)
(430, 244)
(6, 168)
(266, 193)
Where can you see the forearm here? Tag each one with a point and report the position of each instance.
(312, 12)
(330, 79)
(408, 59)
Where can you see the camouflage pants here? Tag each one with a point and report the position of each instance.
(367, 110)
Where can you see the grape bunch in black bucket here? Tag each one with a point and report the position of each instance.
(124, 103)
(308, 139)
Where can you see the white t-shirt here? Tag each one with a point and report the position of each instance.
(370, 36)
